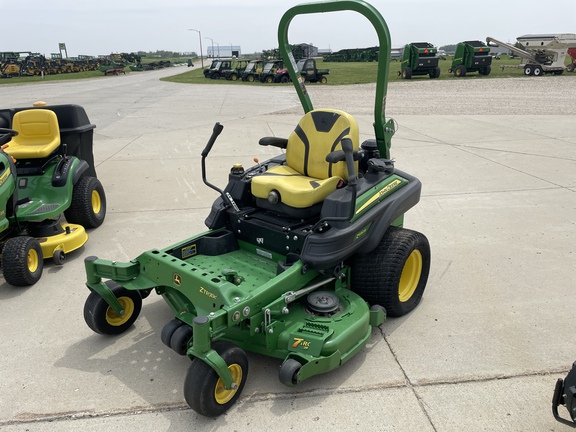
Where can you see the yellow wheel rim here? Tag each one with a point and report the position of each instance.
(410, 276)
(221, 393)
(96, 202)
(115, 320)
(32, 260)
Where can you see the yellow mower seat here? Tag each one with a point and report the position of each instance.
(307, 178)
(39, 134)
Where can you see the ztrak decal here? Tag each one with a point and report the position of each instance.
(208, 293)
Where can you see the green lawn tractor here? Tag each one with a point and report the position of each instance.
(305, 253)
(471, 56)
(565, 394)
(419, 58)
(46, 169)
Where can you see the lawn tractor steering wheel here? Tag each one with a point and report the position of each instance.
(6, 135)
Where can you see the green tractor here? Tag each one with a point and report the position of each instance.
(46, 169)
(305, 253)
(419, 58)
(471, 56)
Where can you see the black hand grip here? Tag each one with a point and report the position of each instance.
(349, 156)
(215, 132)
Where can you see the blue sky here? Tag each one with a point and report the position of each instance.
(104, 26)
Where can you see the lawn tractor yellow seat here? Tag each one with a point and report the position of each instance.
(299, 187)
(39, 134)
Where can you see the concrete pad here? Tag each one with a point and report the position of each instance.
(481, 352)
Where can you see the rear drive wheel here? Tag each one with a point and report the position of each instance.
(101, 318)
(88, 207)
(204, 390)
(395, 273)
(22, 261)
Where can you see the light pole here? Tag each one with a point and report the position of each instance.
(211, 40)
(231, 50)
(199, 37)
(218, 48)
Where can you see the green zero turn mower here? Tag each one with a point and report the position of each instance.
(46, 169)
(305, 252)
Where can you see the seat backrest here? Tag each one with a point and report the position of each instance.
(39, 134)
(318, 133)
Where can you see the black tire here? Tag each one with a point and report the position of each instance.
(22, 261)
(460, 71)
(88, 207)
(395, 273)
(323, 80)
(215, 76)
(406, 73)
(250, 78)
(234, 77)
(528, 70)
(485, 70)
(269, 79)
(180, 338)
(435, 73)
(570, 67)
(59, 257)
(203, 388)
(102, 319)
(169, 330)
(289, 371)
(285, 79)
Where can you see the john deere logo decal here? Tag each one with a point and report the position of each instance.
(177, 279)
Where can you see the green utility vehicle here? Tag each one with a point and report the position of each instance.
(305, 253)
(308, 71)
(471, 56)
(270, 69)
(419, 58)
(237, 70)
(252, 71)
(218, 69)
(46, 169)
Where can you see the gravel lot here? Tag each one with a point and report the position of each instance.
(500, 96)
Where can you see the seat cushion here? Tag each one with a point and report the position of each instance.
(39, 134)
(295, 189)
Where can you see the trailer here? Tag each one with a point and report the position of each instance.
(542, 53)
(572, 65)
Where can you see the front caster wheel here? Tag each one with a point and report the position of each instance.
(204, 390)
(289, 372)
(101, 318)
